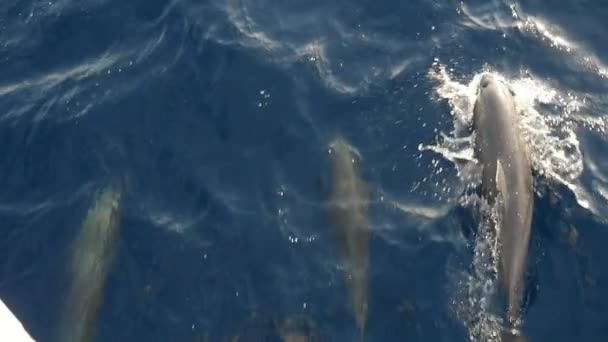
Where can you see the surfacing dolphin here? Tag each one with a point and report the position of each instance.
(506, 185)
(348, 218)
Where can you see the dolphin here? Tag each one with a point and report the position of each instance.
(348, 218)
(507, 184)
(91, 259)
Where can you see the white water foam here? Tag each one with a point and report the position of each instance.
(546, 124)
(476, 289)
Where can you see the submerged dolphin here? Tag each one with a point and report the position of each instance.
(91, 259)
(506, 183)
(348, 217)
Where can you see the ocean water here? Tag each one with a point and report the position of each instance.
(210, 123)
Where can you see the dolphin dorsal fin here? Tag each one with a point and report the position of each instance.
(501, 184)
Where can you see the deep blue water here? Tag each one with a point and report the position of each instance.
(216, 117)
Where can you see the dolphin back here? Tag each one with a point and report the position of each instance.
(349, 221)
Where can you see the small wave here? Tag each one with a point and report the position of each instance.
(348, 60)
(48, 81)
(491, 16)
(593, 188)
(422, 220)
(73, 91)
(313, 51)
(243, 22)
(172, 222)
(151, 46)
(498, 16)
(58, 87)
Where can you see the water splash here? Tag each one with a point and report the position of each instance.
(551, 140)
(546, 126)
(473, 301)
